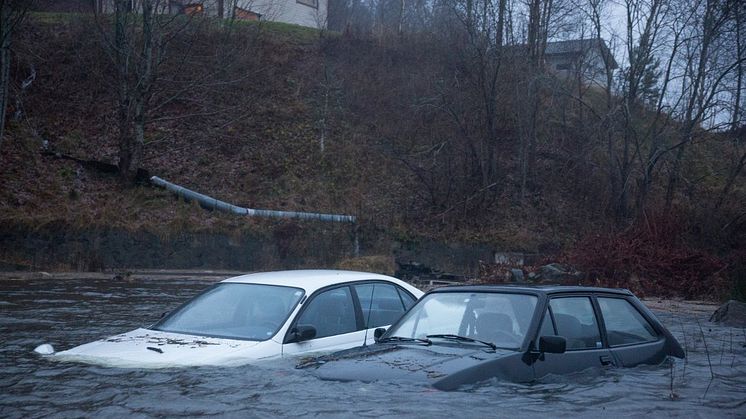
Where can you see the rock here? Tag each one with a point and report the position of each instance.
(732, 313)
(558, 273)
(509, 258)
(412, 268)
(414, 271)
(123, 276)
(516, 275)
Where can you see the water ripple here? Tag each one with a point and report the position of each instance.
(76, 311)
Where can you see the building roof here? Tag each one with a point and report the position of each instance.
(579, 46)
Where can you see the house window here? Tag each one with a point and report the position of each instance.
(244, 14)
(564, 66)
(310, 3)
(193, 9)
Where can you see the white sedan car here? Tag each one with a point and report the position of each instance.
(259, 316)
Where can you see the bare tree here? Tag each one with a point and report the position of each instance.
(142, 32)
(644, 23)
(480, 63)
(739, 16)
(539, 19)
(12, 13)
(702, 78)
(658, 130)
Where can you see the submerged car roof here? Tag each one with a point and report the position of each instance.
(313, 279)
(530, 289)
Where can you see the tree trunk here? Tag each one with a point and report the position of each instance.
(401, 17)
(4, 80)
(731, 181)
(6, 30)
(539, 14)
(673, 180)
(122, 53)
(134, 88)
(736, 119)
(500, 29)
(469, 14)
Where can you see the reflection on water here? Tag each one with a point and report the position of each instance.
(70, 312)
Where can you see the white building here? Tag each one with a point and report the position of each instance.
(580, 57)
(310, 13)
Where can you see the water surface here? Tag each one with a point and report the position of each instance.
(66, 313)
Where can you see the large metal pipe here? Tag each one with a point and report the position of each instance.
(212, 203)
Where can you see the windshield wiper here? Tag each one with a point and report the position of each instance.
(464, 339)
(427, 342)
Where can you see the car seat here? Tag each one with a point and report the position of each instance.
(570, 328)
(492, 327)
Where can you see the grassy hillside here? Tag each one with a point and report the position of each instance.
(280, 117)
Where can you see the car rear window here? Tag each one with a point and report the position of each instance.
(624, 324)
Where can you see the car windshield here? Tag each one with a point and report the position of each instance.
(498, 318)
(235, 311)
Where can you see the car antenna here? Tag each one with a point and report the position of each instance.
(367, 319)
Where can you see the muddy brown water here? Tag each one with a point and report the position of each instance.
(710, 383)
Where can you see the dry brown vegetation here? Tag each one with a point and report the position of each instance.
(393, 131)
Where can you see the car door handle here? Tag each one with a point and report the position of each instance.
(606, 360)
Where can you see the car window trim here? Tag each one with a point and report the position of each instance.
(401, 298)
(359, 315)
(546, 310)
(600, 320)
(658, 334)
(359, 321)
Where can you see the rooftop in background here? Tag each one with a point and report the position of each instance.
(576, 47)
(308, 13)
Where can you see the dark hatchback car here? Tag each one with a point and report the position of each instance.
(467, 334)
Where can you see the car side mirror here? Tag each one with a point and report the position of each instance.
(552, 344)
(378, 333)
(302, 332)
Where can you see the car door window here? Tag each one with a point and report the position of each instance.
(575, 320)
(330, 313)
(380, 303)
(624, 324)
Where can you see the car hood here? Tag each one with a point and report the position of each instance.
(145, 348)
(443, 366)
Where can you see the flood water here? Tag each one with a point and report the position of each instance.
(67, 313)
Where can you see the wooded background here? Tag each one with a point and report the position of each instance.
(437, 120)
